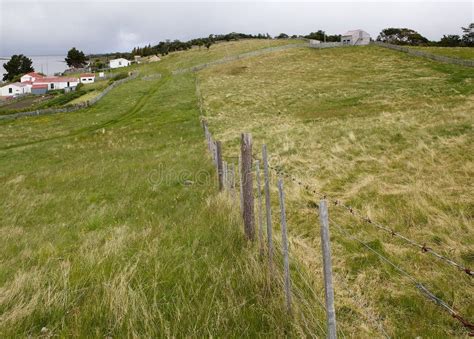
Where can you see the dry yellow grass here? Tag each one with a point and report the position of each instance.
(384, 132)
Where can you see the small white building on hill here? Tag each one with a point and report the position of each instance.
(15, 89)
(87, 78)
(355, 38)
(117, 63)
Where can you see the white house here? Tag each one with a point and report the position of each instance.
(30, 77)
(314, 42)
(15, 89)
(87, 78)
(57, 82)
(121, 62)
(356, 38)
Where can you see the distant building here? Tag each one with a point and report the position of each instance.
(355, 38)
(15, 89)
(31, 77)
(87, 78)
(314, 42)
(54, 83)
(117, 63)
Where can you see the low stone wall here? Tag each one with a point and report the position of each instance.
(237, 57)
(71, 108)
(326, 45)
(423, 54)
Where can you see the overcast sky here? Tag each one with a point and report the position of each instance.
(44, 27)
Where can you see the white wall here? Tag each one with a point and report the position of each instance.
(87, 80)
(116, 63)
(58, 85)
(16, 90)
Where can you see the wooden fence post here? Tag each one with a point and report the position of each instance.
(268, 208)
(260, 207)
(247, 185)
(328, 287)
(232, 180)
(224, 174)
(241, 186)
(220, 172)
(284, 239)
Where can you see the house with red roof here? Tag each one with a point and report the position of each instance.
(54, 83)
(30, 77)
(87, 78)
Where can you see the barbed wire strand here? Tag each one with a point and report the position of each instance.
(427, 293)
(355, 213)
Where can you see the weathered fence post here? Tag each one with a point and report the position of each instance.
(328, 287)
(224, 174)
(241, 186)
(268, 208)
(260, 212)
(284, 240)
(220, 172)
(232, 180)
(247, 185)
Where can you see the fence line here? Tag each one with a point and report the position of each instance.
(287, 286)
(423, 54)
(354, 212)
(71, 108)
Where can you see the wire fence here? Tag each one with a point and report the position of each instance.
(227, 181)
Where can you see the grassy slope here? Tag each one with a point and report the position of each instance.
(386, 132)
(454, 52)
(99, 236)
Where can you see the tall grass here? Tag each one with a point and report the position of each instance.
(388, 134)
(100, 237)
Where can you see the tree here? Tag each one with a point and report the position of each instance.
(17, 65)
(468, 36)
(402, 36)
(209, 44)
(75, 58)
(450, 41)
(283, 36)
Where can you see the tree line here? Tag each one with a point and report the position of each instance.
(406, 36)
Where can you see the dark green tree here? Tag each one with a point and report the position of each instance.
(17, 65)
(468, 36)
(75, 58)
(450, 41)
(402, 36)
(282, 36)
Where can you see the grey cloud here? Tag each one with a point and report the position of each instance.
(52, 27)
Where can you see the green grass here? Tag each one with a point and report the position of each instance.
(453, 52)
(100, 237)
(386, 132)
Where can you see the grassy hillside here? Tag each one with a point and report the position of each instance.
(101, 237)
(453, 52)
(112, 225)
(385, 132)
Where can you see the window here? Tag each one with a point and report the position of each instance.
(68, 84)
(90, 79)
(120, 63)
(52, 86)
(10, 90)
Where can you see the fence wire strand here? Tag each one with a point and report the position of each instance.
(366, 219)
